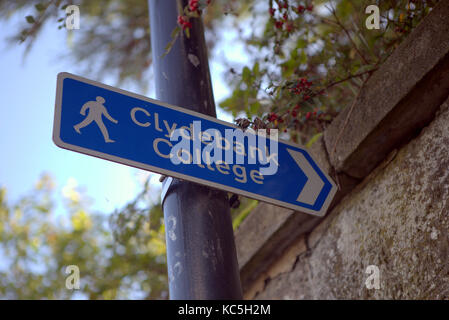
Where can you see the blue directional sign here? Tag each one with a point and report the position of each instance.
(113, 124)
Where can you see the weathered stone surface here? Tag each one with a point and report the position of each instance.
(398, 100)
(398, 220)
(284, 265)
(263, 235)
(401, 97)
(388, 112)
(257, 228)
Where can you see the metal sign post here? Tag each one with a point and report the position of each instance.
(201, 254)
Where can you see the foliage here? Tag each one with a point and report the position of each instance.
(239, 214)
(312, 57)
(113, 40)
(306, 61)
(124, 258)
(307, 58)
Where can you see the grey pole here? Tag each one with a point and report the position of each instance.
(201, 255)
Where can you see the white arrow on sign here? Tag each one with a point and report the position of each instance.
(314, 183)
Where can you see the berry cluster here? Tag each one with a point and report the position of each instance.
(294, 112)
(300, 113)
(193, 5)
(301, 9)
(296, 119)
(283, 16)
(301, 86)
(193, 10)
(272, 117)
(294, 116)
(184, 22)
(283, 8)
(278, 24)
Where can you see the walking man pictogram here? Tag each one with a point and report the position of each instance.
(96, 111)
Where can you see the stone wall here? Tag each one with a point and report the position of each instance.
(396, 219)
(389, 155)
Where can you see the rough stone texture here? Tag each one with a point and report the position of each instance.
(282, 265)
(254, 231)
(263, 236)
(268, 230)
(397, 219)
(401, 97)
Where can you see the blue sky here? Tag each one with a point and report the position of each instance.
(27, 88)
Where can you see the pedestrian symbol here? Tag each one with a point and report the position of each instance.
(96, 111)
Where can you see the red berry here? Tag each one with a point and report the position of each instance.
(184, 22)
(294, 114)
(303, 82)
(272, 11)
(301, 9)
(279, 24)
(193, 5)
(272, 117)
(308, 114)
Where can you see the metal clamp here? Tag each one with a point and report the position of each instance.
(165, 185)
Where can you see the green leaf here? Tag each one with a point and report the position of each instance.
(301, 43)
(303, 57)
(294, 54)
(174, 36)
(254, 108)
(175, 32)
(344, 8)
(313, 139)
(229, 104)
(256, 70)
(246, 75)
(40, 7)
(289, 66)
(30, 19)
(244, 213)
